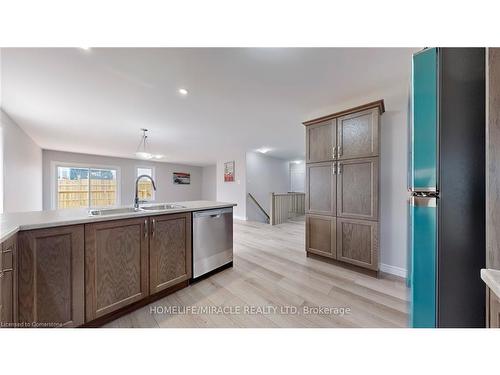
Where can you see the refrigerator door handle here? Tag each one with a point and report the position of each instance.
(417, 201)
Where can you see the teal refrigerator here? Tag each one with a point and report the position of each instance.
(447, 188)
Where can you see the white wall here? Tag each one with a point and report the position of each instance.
(297, 176)
(264, 176)
(234, 192)
(166, 190)
(209, 183)
(22, 168)
(393, 172)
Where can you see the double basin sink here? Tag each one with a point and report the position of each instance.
(126, 210)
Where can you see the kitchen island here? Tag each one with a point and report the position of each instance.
(67, 268)
(491, 278)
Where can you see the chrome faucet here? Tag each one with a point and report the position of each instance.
(136, 199)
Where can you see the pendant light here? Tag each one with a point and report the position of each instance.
(143, 148)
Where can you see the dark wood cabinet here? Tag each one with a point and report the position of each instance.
(169, 251)
(357, 242)
(321, 191)
(116, 265)
(321, 235)
(358, 135)
(69, 276)
(8, 281)
(51, 276)
(357, 188)
(321, 141)
(492, 309)
(342, 185)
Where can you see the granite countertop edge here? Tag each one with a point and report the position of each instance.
(491, 278)
(10, 224)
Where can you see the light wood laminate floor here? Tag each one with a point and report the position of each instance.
(274, 284)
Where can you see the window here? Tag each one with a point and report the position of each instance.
(146, 192)
(86, 187)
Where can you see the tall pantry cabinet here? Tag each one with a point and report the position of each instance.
(342, 185)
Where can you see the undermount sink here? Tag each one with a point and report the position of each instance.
(128, 210)
(160, 207)
(114, 211)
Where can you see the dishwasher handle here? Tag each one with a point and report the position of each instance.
(213, 213)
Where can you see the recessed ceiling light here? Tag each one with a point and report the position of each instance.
(297, 161)
(183, 92)
(85, 48)
(263, 150)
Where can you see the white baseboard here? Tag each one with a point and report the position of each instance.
(398, 271)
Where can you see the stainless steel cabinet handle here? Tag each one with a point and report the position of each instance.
(334, 168)
(339, 151)
(146, 228)
(153, 227)
(339, 169)
(335, 152)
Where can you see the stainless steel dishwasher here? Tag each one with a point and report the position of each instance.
(212, 240)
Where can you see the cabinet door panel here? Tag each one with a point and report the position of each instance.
(493, 305)
(170, 251)
(321, 235)
(357, 189)
(321, 189)
(358, 135)
(8, 290)
(51, 276)
(116, 255)
(320, 141)
(357, 242)
(2, 283)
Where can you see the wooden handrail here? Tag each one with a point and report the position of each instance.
(260, 207)
(286, 205)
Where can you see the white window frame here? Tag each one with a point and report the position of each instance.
(153, 176)
(53, 179)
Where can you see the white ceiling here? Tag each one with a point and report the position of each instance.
(240, 99)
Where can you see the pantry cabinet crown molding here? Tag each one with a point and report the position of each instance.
(376, 104)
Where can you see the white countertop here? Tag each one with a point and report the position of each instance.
(492, 279)
(13, 222)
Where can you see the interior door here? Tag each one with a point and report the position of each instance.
(321, 141)
(321, 189)
(357, 188)
(358, 134)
